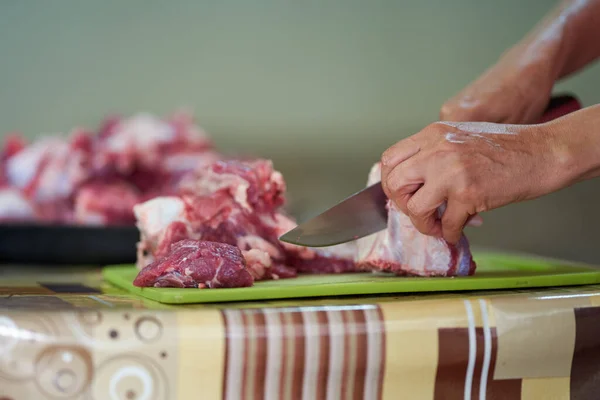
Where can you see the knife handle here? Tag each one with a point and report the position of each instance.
(560, 106)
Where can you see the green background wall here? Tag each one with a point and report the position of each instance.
(322, 87)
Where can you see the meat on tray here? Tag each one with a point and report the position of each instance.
(76, 179)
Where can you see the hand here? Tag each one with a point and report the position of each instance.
(476, 167)
(516, 91)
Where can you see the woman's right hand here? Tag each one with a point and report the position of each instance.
(516, 90)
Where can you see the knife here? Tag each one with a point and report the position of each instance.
(364, 213)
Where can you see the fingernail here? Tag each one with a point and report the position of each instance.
(475, 221)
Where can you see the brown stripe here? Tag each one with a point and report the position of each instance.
(323, 354)
(260, 339)
(453, 358)
(298, 370)
(227, 351)
(287, 362)
(350, 352)
(381, 327)
(585, 369)
(284, 355)
(246, 320)
(500, 389)
(480, 348)
(361, 355)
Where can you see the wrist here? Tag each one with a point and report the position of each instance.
(539, 63)
(574, 143)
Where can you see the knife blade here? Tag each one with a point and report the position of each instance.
(357, 216)
(364, 213)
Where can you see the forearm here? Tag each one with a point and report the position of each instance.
(566, 40)
(577, 136)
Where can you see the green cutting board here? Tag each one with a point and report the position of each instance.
(494, 271)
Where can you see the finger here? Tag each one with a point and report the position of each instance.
(423, 206)
(403, 181)
(454, 220)
(398, 153)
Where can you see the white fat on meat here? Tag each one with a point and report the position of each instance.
(257, 262)
(59, 166)
(152, 219)
(14, 206)
(140, 132)
(257, 242)
(189, 161)
(402, 246)
(153, 216)
(210, 182)
(22, 167)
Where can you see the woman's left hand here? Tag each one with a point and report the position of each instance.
(475, 167)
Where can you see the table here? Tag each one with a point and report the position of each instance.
(64, 333)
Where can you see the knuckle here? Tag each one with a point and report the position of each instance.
(390, 185)
(469, 192)
(385, 157)
(437, 128)
(415, 209)
(459, 111)
(449, 111)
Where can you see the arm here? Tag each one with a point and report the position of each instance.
(574, 27)
(475, 167)
(517, 88)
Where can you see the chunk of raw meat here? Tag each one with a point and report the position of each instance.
(48, 172)
(198, 264)
(253, 185)
(227, 203)
(237, 203)
(49, 169)
(144, 140)
(106, 203)
(403, 250)
(140, 157)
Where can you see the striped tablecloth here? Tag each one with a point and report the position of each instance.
(65, 334)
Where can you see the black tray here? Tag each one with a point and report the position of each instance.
(64, 244)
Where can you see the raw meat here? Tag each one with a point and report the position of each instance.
(144, 140)
(197, 264)
(96, 179)
(328, 260)
(47, 170)
(237, 203)
(403, 250)
(105, 203)
(230, 202)
(14, 206)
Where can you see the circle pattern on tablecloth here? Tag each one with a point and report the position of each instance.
(130, 377)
